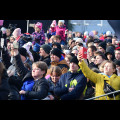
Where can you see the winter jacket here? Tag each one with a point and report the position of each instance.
(98, 79)
(62, 64)
(60, 31)
(39, 37)
(35, 55)
(51, 88)
(47, 60)
(38, 90)
(68, 80)
(40, 87)
(4, 86)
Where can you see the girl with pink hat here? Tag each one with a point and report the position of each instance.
(61, 30)
(39, 36)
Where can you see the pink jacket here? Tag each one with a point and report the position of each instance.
(61, 31)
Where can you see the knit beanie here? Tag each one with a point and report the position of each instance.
(53, 23)
(16, 32)
(56, 51)
(46, 48)
(103, 45)
(117, 62)
(36, 47)
(23, 52)
(58, 45)
(39, 25)
(74, 60)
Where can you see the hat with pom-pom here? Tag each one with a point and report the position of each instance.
(39, 25)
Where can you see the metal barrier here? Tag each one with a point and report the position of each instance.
(118, 91)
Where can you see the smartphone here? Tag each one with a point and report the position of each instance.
(15, 45)
(83, 52)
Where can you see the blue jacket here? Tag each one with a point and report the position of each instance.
(27, 86)
(67, 80)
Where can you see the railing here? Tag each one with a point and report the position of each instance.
(118, 91)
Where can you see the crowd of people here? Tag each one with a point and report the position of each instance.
(51, 66)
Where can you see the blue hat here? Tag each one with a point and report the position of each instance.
(36, 47)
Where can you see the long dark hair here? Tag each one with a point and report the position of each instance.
(2, 68)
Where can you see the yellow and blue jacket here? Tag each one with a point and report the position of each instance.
(67, 80)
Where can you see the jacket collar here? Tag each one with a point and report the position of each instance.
(112, 77)
(78, 71)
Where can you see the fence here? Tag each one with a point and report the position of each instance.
(118, 91)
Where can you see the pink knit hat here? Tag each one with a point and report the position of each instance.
(39, 25)
(53, 23)
(1, 22)
(16, 33)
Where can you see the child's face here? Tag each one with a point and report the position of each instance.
(54, 77)
(37, 29)
(60, 24)
(57, 40)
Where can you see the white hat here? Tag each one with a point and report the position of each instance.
(86, 33)
(80, 40)
(108, 33)
(61, 21)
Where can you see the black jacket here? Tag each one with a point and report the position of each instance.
(4, 87)
(40, 88)
(47, 60)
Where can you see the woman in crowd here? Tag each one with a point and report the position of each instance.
(108, 76)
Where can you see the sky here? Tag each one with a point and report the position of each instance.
(93, 25)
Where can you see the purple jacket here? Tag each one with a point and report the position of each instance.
(39, 37)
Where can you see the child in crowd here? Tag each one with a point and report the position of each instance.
(39, 36)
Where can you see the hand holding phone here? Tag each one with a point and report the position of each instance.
(83, 52)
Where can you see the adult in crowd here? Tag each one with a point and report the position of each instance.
(71, 84)
(35, 86)
(58, 60)
(100, 80)
(45, 54)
